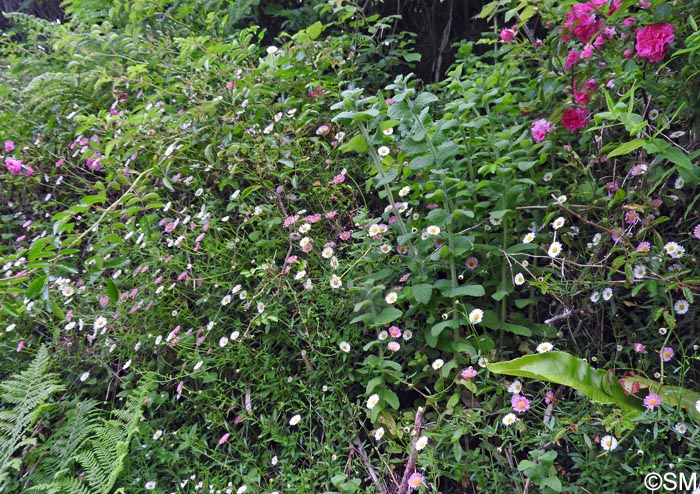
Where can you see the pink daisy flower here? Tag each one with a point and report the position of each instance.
(520, 403)
(415, 481)
(472, 263)
(652, 401)
(468, 373)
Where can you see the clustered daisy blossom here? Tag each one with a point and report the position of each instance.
(468, 373)
(520, 403)
(681, 307)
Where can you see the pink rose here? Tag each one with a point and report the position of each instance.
(587, 52)
(540, 128)
(574, 119)
(572, 60)
(653, 41)
(9, 146)
(15, 166)
(629, 22)
(582, 22)
(507, 35)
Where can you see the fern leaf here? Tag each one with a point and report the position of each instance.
(26, 393)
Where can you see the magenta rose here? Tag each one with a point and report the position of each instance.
(507, 35)
(574, 119)
(540, 128)
(653, 41)
(572, 60)
(15, 166)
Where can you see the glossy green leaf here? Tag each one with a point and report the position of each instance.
(672, 396)
(563, 368)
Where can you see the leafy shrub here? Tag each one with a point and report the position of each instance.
(326, 282)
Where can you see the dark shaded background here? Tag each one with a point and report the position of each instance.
(437, 24)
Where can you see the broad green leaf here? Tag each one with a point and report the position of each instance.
(467, 291)
(627, 147)
(563, 368)
(422, 292)
(36, 286)
(390, 397)
(357, 144)
(315, 30)
(672, 396)
(439, 327)
(516, 329)
(389, 314)
(112, 291)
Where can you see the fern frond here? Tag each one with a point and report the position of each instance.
(51, 91)
(26, 393)
(81, 421)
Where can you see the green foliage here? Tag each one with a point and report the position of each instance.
(275, 251)
(563, 368)
(24, 397)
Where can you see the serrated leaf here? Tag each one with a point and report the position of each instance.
(422, 292)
